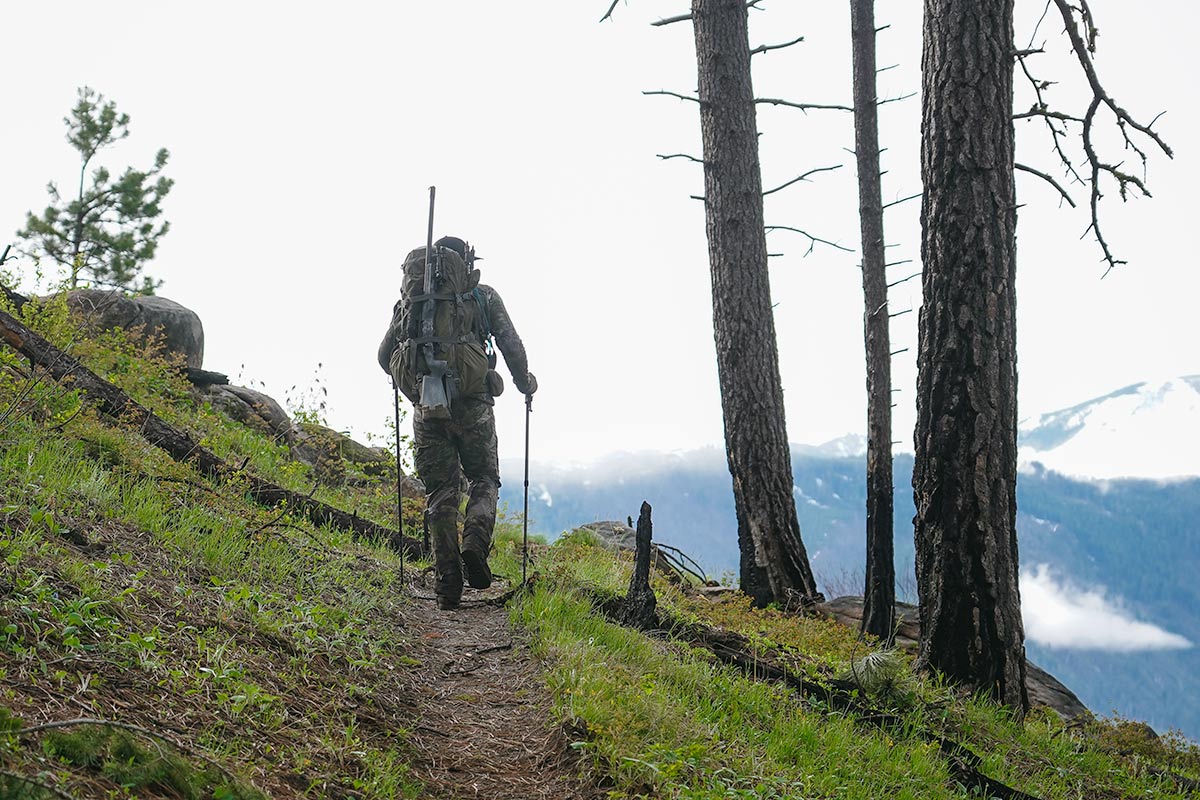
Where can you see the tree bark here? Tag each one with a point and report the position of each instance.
(774, 564)
(879, 593)
(639, 607)
(116, 404)
(964, 480)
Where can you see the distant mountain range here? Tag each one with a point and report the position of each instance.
(1108, 527)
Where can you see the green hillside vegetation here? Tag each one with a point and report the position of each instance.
(161, 636)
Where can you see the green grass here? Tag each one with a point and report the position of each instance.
(658, 718)
(249, 653)
(134, 590)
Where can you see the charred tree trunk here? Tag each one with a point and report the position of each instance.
(879, 594)
(964, 481)
(774, 564)
(638, 609)
(119, 406)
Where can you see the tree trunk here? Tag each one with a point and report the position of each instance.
(879, 594)
(964, 480)
(638, 608)
(774, 564)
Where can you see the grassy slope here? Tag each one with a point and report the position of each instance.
(250, 654)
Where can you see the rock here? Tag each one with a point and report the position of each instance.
(1043, 688)
(613, 534)
(179, 327)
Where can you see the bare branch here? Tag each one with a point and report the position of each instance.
(1100, 98)
(812, 240)
(608, 14)
(1037, 111)
(766, 48)
(901, 200)
(671, 20)
(900, 313)
(896, 99)
(904, 280)
(1048, 180)
(680, 155)
(803, 177)
(805, 107)
(673, 94)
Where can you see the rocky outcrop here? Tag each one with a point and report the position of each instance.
(1044, 689)
(179, 328)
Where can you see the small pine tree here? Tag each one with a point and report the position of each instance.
(111, 228)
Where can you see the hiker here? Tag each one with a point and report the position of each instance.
(458, 436)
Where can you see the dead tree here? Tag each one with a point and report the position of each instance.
(638, 608)
(964, 479)
(774, 563)
(879, 593)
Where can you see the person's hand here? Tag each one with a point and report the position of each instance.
(527, 386)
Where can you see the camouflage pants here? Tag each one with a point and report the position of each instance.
(446, 450)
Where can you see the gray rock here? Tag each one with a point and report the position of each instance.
(613, 534)
(179, 327)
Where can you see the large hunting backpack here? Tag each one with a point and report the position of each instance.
(460, 326)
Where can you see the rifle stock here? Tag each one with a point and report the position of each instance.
(434, 397)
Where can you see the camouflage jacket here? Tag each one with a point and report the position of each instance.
(500, 326)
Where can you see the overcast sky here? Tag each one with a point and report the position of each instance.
(304, 137)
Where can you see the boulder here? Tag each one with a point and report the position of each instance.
(179, 327)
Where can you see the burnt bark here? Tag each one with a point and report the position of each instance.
(638, 608)
(117, 405)
(964, 480)
(774, 563)
(879, 593)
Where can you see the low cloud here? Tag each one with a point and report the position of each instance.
(1060, 614)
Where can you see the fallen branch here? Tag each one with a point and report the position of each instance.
(119, 406)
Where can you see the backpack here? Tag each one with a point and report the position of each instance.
(459, 326)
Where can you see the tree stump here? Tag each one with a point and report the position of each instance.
(639, 607)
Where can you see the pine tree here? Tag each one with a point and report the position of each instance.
(106, 233)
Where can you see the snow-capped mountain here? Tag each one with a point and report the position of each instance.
(1147, 430)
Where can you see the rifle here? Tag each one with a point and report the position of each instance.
(437, 387)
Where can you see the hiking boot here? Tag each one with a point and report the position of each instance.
(448, 603)
(479, 575)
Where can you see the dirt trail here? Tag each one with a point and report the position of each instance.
(484, 726)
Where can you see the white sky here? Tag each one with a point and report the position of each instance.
(304, 135)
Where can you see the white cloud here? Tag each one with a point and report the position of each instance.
(1060, 614)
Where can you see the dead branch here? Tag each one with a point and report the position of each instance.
(608, 14)
(901, 200)
(1080, 27)
(766, 48)
(803, 177)
(45, 787)
(1048, 180)
(805, 107)
(680, 155)
(896, 99)
(812, 240)
(673, 94)
(671, 20)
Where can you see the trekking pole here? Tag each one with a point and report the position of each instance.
(399, 493)
(525, 516)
